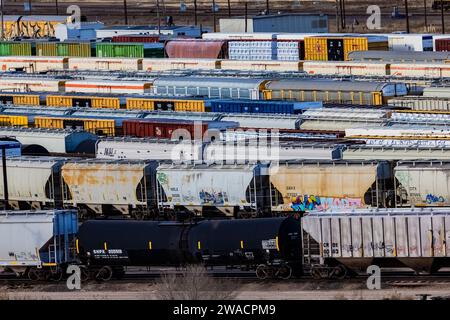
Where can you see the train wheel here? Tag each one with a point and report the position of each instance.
(104, 274)
(262, 272)
(284, 272)
(56, 276)
(316, 273)
(338, 272)
(84, 274)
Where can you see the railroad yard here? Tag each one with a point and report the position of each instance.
(272, 156)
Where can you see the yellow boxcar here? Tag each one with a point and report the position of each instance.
(20, 99)
(166, 104)
(83, 101)
(8, 121)
(338, 48)
(96, 126)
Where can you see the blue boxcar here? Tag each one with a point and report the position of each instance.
(252, 106)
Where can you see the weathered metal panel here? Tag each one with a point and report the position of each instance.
(20, 84)
(95, 183)
(367, 236)
(424, 183)
(447, 235)
(401, 233)
(336, 234)
(326, 237)
(414, 236)
(313, 186)
(196, 49)
(346, 237)
(378, 237)
(105, 64)
(357, 236)
(175, 64)
(426, 236)
(389, 236)
(202, 185)
(439, 244)
(33, 64)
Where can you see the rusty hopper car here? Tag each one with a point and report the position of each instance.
(423, 183)
(229, 189)
(352, 240)
(326, 185)
(107, 187)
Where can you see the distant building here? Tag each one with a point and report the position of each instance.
(165, 31)
(86, 32)
(293, 23)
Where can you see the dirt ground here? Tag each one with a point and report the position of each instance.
(312, 290)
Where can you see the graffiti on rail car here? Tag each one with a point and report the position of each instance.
(319, 203)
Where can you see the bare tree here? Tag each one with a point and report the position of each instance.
(194, 283)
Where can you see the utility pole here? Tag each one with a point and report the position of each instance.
(214, 14)
(442, 17)
(337, 15)
(407, 16)
(343, 22)
(195, 12)
(246, 15)
(229, 9)
(125, 11)
(425, 14)
(267, 7)
(158, 17)
(3, 22)
(5, 177)
(56, 6)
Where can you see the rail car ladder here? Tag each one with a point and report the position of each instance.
(311, 252)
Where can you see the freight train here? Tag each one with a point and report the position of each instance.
(335, 244)
(138, 188)
(262, 88)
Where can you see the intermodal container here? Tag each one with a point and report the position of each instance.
(6, 120)
(83, 101)
(243, 106)
(96, 126)
(65, 49)
(15, 49)
(166, 104)
(20, 99)
(161, 128)
(443, 44)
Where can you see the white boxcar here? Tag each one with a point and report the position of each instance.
(414, 238)
(398, 131)
(160, 64)
(37, 239)
(200, 188)
(341, 118)
(53, 140)
(33, 182)
(239, 36)
(423, 183)
(33, 64)
(252, 151)
(105, 86)
(410, 42)
(266, 121)
(105, 64)
(437, 92)
(147, 149)
(399, 150)
(421, 103)
(428, 70)
(99, 184)
(261, 65)
(346, 68)
(23, 84)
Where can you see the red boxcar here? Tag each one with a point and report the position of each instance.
(443, 44)
(162, 129)
(136, 38)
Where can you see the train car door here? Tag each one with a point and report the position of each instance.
(73, 124)
(335, 49)
(81, 102)
(164, 105)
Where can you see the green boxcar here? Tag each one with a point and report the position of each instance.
(15, 49)
(119, 50)
(64, 49)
